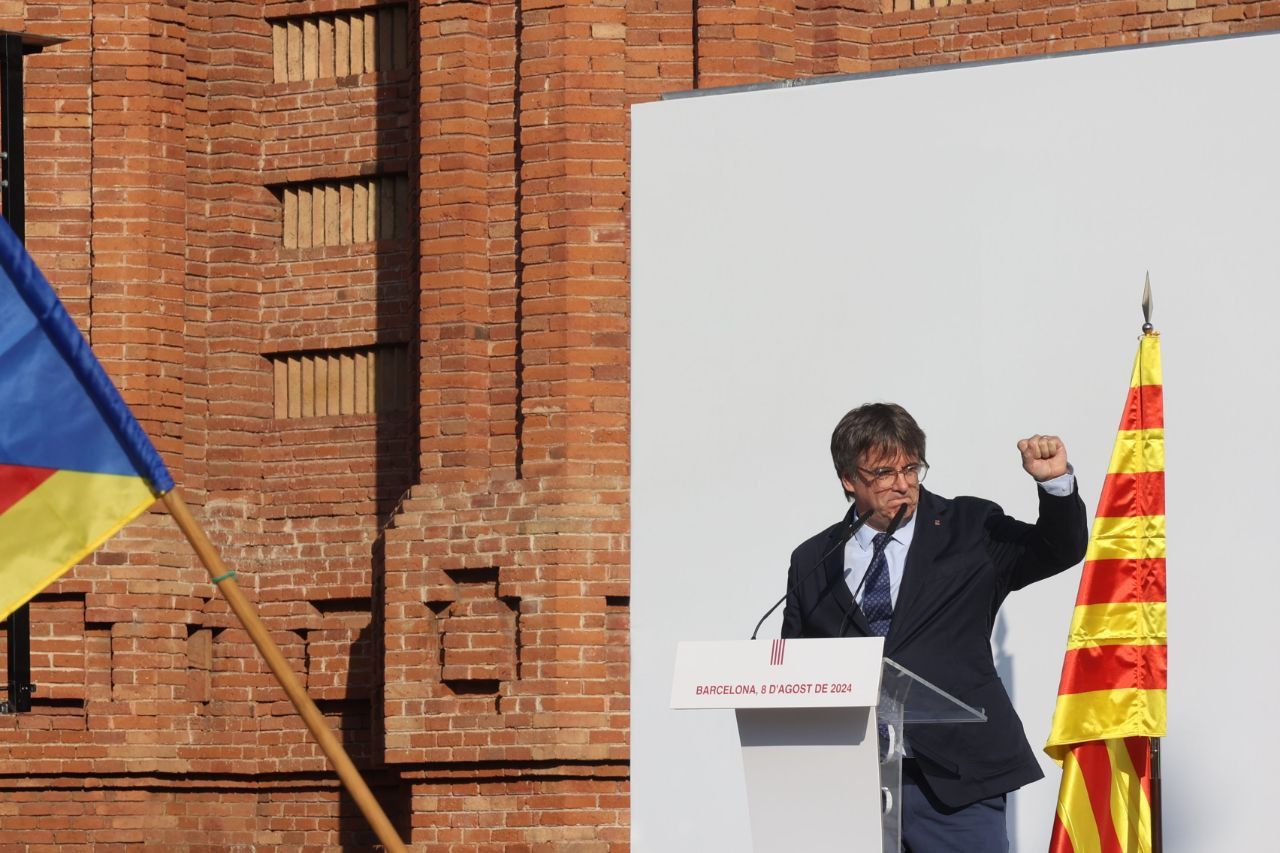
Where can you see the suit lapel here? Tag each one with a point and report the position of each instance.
(834, 573)
(925, 543)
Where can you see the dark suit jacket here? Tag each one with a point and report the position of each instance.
(965, 557)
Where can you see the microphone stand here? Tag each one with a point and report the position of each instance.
(853, 523)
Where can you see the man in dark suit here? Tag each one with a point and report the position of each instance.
(932, 590)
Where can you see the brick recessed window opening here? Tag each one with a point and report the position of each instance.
(358, 381)
(339, 44)
(340, 213)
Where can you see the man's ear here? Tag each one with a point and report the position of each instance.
(848, 485)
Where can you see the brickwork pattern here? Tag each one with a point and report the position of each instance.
(574, 815)
(170, 814)
(449, 576)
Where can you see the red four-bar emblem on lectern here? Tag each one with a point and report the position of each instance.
(779, 652)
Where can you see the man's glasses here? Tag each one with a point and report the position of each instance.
(883, 478)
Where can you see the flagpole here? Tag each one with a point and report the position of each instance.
(224, 579)
(1157, 810)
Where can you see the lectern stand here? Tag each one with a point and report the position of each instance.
(817, 775)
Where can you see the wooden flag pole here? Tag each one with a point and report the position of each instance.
(225, 581)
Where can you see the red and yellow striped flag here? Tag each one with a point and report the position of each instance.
(1111, 699)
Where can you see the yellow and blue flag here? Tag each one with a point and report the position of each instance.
(75, 466)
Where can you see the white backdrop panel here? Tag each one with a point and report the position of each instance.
(969, 242)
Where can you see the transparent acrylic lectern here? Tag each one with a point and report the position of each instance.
(907, 699)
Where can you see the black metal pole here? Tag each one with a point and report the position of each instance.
(1157, 831)
(11, 141)
(12, 182)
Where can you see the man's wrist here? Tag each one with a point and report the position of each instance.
(1060, 486)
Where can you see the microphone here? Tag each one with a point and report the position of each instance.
(890, 530)
(851, 523)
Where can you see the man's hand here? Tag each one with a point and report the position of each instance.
(1043, 457)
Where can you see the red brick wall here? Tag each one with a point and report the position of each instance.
(153, 814)
(563, 815)
(450, 578)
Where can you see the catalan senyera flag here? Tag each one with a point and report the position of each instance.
(75, 466)
(1111, 699)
